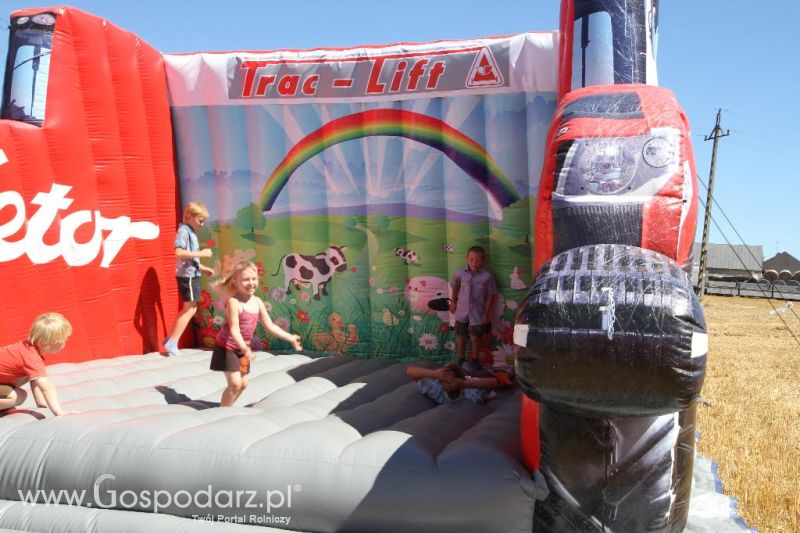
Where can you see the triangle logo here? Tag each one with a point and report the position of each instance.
(484, 71)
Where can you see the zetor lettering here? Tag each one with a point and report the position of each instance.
(75, 253)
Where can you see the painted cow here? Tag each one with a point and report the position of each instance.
(314, 270)
(408, 256)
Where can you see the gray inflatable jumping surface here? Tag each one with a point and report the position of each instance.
(317, 444)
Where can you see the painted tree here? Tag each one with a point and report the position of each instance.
(250, 216)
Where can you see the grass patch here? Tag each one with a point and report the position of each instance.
(750, 423)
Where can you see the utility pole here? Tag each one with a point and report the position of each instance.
(716, 133)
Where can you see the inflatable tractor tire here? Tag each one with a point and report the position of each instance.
(613, 345)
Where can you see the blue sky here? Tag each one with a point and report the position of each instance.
(713, 54)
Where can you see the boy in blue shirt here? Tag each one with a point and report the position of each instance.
(187, 270)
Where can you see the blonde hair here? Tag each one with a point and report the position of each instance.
(194, 208)
(48, 329)
(226, 285)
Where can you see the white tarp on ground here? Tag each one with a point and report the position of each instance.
(711, 511)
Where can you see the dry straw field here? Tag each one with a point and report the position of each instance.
(750, 417)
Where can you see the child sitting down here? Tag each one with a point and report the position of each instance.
(23, 362)
(451, 383)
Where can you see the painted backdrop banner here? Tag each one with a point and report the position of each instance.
(357, 179)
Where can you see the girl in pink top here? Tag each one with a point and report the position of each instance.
(243, 311)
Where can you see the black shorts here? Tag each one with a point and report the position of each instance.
(463, 329)
(189, 289)
(224, 360)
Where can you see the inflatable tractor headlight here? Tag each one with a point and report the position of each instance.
(659, 152)
(607, 166)
(44, 19)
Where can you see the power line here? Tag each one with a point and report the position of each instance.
(764, 121)
(749, 251)
(716, 134)
(770, 140)
(761, 119)
(769, 300)
(776, 150)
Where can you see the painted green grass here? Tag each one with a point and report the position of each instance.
(375, 277)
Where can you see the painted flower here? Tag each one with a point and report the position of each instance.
(203, 320)
(511, 304)
(219, 320)
(304, 296)
(503, 354)
(418, 318)
(354, 270)
(379, 291)
(374, 268)
(260, 268)
(293, 301)
(210, 243)
(278, 294)
(205, 299)
(428, 341)
(281, 322)
(506, 332)
(371, 281)
(259, 344)
(208, 336)
(411, 330)
(268, 306)
(392, 289)
(444, 327)
(450, 346)
(401, 312)
(302, 316)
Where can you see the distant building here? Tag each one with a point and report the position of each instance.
(725, 262)
(782, 261)
(783, 267)
(739, 270)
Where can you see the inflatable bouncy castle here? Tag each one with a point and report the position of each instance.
(356, 179)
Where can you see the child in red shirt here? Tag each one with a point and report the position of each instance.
(23, 362)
